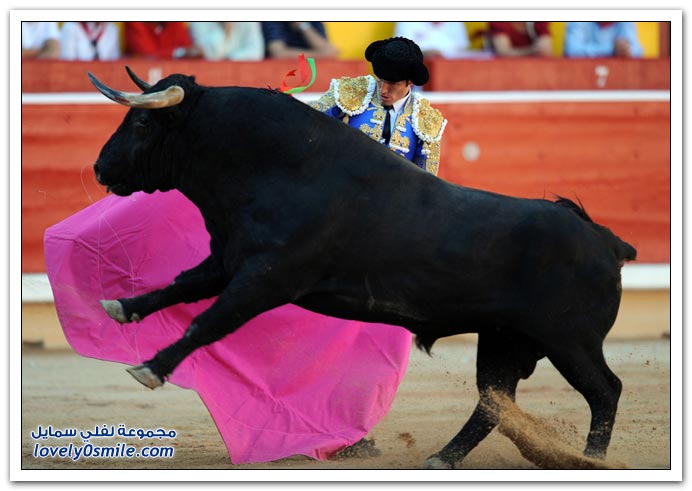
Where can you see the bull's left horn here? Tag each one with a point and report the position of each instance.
(138, 81)
(171, 96)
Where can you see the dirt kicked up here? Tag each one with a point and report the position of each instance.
(541, 443)
(549, 429)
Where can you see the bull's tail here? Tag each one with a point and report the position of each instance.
(623, 251)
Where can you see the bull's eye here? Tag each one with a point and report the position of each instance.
(141, 125)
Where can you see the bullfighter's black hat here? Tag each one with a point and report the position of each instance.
(397, 59)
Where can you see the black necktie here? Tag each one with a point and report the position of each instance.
(387, 130)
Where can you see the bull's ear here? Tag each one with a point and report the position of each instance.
(170, 117)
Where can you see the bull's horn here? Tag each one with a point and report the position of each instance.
(172, 96)
(138, 81)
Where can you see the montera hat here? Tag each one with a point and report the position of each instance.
(397, 59)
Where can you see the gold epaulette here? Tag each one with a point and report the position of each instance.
(353, 95)
(428, 122)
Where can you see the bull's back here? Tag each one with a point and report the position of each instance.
(408, 242)
(448, 252)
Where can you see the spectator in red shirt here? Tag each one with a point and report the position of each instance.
(520, 38)
(160, 40)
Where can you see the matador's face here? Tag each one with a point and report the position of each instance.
(390, 92)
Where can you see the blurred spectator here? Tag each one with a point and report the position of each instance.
(520, 38)
(40, 40)
(596, 39)
(160, 40)
(86, 41)
(436, 39)
(290, 39)
(228, 40)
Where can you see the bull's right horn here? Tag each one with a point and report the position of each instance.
(171, 96)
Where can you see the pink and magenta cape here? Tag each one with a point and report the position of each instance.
(288, 382)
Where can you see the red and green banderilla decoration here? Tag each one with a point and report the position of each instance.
(308, 73)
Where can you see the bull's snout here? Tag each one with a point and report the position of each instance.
(113, 182)
(99, 177)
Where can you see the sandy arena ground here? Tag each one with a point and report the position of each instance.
(437, 395)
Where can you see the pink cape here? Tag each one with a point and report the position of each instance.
(288, 382)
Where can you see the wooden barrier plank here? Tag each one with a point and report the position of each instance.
(492, 74)
(71, 76)
(549, 74)
(614, 156)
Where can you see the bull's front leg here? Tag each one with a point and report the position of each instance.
(249, 294)
(205, 280)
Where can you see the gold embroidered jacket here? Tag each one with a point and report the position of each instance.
(418, 128)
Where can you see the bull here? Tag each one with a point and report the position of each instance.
(303, 209)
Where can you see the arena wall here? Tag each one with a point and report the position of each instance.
(532, 129)
(609, 148)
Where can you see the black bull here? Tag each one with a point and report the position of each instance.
(303, 209)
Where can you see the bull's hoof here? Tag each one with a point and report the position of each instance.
(115, 311)
(437, 463)
(145, 376)
(594, 454)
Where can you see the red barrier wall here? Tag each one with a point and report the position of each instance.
(614, 156)
(445, 75)
(71, 76)
(550, 74)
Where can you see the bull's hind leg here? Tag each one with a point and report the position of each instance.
(503, 359)
(203, 281)
(584, 367)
